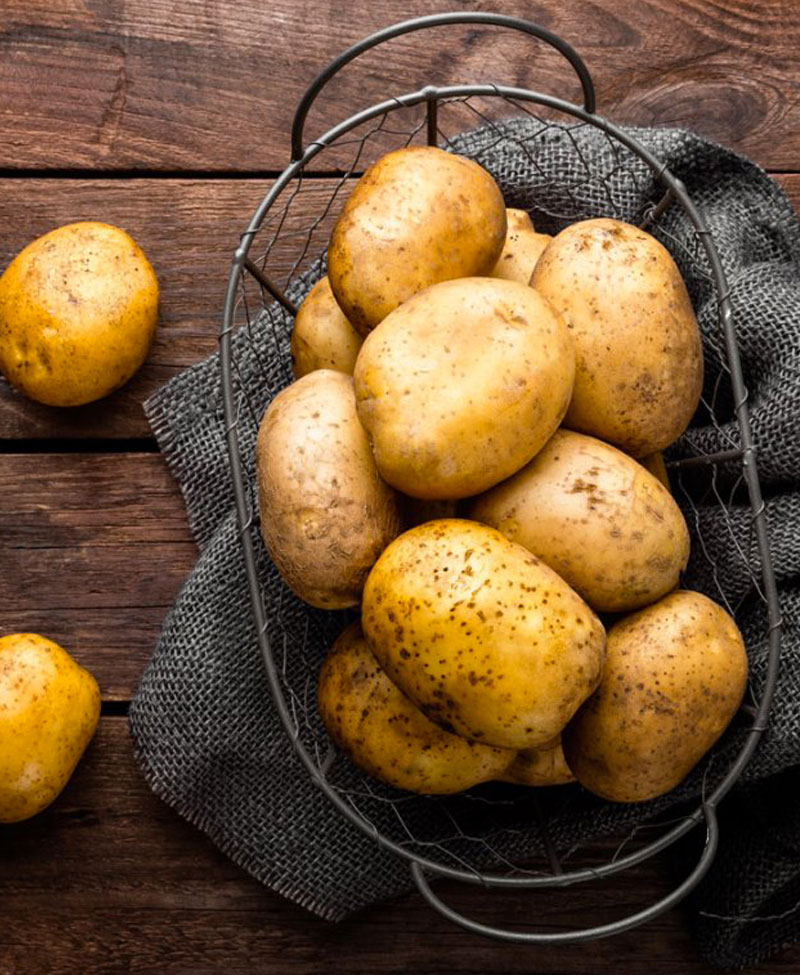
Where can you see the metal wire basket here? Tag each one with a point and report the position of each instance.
(484, 836)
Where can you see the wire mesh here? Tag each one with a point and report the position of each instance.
(495, 831)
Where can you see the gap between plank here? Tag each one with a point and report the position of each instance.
(204, 174)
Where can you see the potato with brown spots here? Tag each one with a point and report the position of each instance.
(639, 357)
(387, 736)
(522, 248)
(49, 709)
(674, 677)
(603, 522)
(420, 215)
(487, 640)
(322, 338)
(462, 384)
(326, 515)
(78, 312)
(540, 766)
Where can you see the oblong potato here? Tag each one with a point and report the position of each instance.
(545, 765)
(326, 515)
(487, 640)
(462, 384)
(602, 521)
(386, 735)
(674, 677)
(639, 357)
(322, 337)
(522, 248)
(417, 216)
(78, 314)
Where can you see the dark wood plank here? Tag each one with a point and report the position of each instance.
(110, 879)
(214, 85)
(189, 228)
(94, 550)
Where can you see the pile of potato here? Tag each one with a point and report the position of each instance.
(470, 453)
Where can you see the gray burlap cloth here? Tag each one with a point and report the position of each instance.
(206, 732)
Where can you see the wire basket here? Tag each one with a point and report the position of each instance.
(496, 835)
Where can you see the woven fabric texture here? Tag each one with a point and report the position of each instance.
(206, 733)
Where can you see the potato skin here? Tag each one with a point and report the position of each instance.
(326, 515)
(657, 467)
(488, 641)
(541, 766)
(603, 522)
(78, 312)
(417, 216)
(522, 248)
(674, 677)
(387, 736)
(322, 338)
(639, 357)
(462, 385)
(49, 709)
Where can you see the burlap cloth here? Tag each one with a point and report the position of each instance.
(206, 733)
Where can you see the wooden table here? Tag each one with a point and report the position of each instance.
(170, 119)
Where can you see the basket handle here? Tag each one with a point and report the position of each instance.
(422, 23)
(580, 934)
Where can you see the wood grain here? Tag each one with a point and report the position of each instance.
(110, 879)
(213, 85)
(94, 550)
(189, 229)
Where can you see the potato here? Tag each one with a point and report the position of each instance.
(462, 385)
(522, 249)
(655, 464)
(78, 312)
(639, 358)
(418, 216)
(387, 736)
(325, 513)
(322, 338)
(488, 641)
(674, 677)
(598, 518)
(49, 709)
(541, 766)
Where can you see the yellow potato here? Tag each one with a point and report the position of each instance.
(78, 312)
(462, 385)
(418, 216)
(545, 765)
(522, 249)
(674, 677)
(325, 513)
(49, 709)
(488, 641)
(386, 735)
(639, 358)
(655, 464)
(322, 338)
(598, 518)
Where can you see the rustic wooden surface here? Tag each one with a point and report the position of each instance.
(169, 119)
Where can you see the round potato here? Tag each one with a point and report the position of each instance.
(522, 248)
(326, 515)
(49, 709)
(78, 312)
(674, 677)
(462, 384)
(387, 736)
(322, 338)
(418, 216)
(639, 357)
(603, 522)
(487, 640)
(541, 766)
